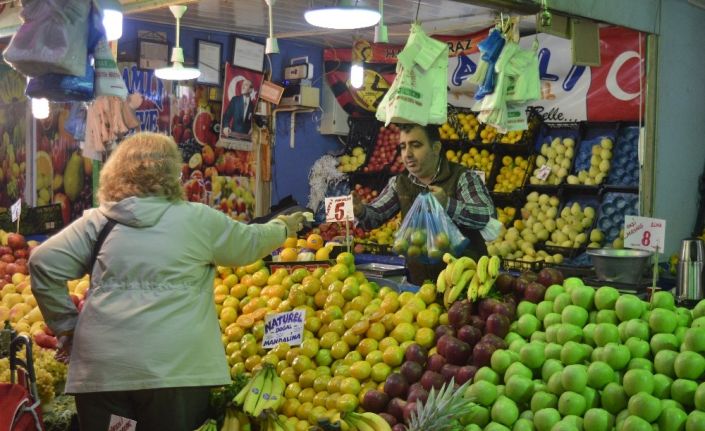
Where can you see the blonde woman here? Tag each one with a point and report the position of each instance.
(146, 345)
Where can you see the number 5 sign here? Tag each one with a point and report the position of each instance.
(644, 233)
(339, 208)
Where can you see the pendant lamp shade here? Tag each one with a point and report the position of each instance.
(344, 16)
(177, 71)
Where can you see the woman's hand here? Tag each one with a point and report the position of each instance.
(294, 222)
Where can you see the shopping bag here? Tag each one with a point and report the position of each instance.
(427, 232)
(59, 87)
(51, 39)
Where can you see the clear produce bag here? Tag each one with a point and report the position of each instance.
(427, 232)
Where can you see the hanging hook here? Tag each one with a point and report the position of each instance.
(418, 6)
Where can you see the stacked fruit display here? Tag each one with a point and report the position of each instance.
(572, 225)
(352, 162)
(465, 126)
(594, 171)
(365, 193)
(385, 151)
(554, 162)
(475, 159)
(314, 247)
(383, 236)
(511, 174)
(506, 215)
(511, 137)
(232, 195)
(580, 358)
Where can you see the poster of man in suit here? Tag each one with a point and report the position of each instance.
(240, 95)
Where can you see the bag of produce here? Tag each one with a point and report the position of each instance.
(427, 232)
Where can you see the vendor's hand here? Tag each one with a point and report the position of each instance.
(358, 205)
(63, 351)
(294, 222)
(440, 195)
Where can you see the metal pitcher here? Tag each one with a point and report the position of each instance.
(690, 270)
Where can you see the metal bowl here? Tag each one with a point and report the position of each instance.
(620, 266)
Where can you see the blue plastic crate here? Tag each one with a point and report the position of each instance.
(625, 158)
(613, 208)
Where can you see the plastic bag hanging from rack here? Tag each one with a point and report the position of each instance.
(51, 39)
(491, 47)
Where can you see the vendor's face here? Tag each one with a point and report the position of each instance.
(418, 153)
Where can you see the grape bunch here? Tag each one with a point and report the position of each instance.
(188, 148)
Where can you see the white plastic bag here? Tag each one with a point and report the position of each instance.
(51, 39)
(108, 81)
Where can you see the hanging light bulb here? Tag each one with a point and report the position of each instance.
(177, 71)
(357, 75)
(357, 71)
(40, 108)
(112, 19)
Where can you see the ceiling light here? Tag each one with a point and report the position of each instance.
(177, 71)
(112, 18)
(345, 16)
(271, 46)
(40, 108)
(357, 75)
(381, 34)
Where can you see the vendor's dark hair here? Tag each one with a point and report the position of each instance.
(431, 130)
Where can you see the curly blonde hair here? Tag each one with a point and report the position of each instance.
(145, 164)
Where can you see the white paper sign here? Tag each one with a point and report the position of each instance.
(644, 233)
(119, 423)
(543, 173)
(16, 209)
(339, 208)
(284, 328)
(481, 174)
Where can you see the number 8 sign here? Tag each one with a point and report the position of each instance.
(339, 208)
(644, 233)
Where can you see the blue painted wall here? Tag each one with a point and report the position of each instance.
(291, 166)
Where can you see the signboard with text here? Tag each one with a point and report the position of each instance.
(284, 328)
(644, 233)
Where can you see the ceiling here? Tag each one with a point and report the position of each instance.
(251, 17)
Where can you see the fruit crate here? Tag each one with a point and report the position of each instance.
(549, 132)
(372, 248)
(497, 169)
(568, 198)
(613, 207)
(521, 265)
(34, 220)
(593, 134)
(469, 151)
(625, 158)
(464, 134)
(310, 265)
(528, 137)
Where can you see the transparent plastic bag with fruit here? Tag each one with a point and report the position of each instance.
(427, 232)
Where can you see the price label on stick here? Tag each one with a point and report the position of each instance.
(283, 328)
(543, 173)
(481, 174)
(16, 209)
(339, 208)
(644, 233)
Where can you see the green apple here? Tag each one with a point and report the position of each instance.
(664, 362)
(663, 299)
(621, 416)
(695, 339)
(583, 296)
(504, 411)
(685, 317)
(640, 364)
(635, 423)
(519, 389)
(517, 369)
(663, 342)
(532, 355)
(546, 418)
(599, 374)
(689, 365)
(551, 319)
(698, 322)
(487, 374)
(683, 391)
(550, 367)
(606, 297)
(589, 334)
(680, 335)
(635, 381)
(477, 415)
(471, 427)
(552, 351)
(571, 403)
(667, 402)
(592, 316)
(526, 307)
(607, 316)
(571, 420)
(516, 345)
(695, 421)
(543, 309)
(572, 282)
(672, 419)
(575, 315)
(496, 426)
(564, 425)
(628, 307)
(662, 321)
(523, 424)
(541, 400)
(592, 398)
(538, 336)
(597, 354)
(511, 336)
(598, 420)
(613, 398)
(644, 405)
(636, 328)
(699, 309)
(555, 385)
(574, 378)
(606, 333)
(528, 415)
(616, 355)
(574, 353)
(568, 332)
(553, 291)
(528, 324)
(638, 348)
(482, 392)
(500, 361)
(662, 386)
(560, 302)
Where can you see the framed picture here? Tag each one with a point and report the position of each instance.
(248, 54)
(241, 91)
(208, 55)
(271, 92)
(152, 54)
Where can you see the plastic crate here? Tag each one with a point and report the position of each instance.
(613, 208)
(593, 134)
(499, 164)
(549, 132)
(528, 137)
(521, 265)
(625, 158)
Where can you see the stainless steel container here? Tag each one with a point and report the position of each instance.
(690, 269)
(619, 265)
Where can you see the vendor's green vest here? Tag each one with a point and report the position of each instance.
(447, 179)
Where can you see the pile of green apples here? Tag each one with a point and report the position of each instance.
(595, 360)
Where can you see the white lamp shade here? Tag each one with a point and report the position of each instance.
(357, 75)
(342, 17)
(40, 108)
(177, 72)
(112, 21)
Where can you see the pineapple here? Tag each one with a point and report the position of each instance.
(442, 410)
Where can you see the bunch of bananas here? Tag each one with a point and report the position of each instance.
(478, 276)
(264, 391)
(366, 421)
(235, 420)
(272, 422)
(208, 425)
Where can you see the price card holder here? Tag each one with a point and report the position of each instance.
(340, 209)
(644, 233)
(543, 173)
(285, 327)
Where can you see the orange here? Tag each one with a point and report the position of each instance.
(299, 274)
(323, 253)
(300, 243)
(346, 258)
(245, 321)
(259, 278)
(288, 254)
(290, 243)
(238, 291)
(340, 271)
(311, 284)
(314, 241)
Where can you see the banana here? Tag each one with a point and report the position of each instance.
(448, 258)
(460, 266)
(274, 397)
(231, 423)
(473, 288)
(355, 420)
(255, 392)
(376, 421)
(240, 397)
(458, 288)
(264, 399)
(448, 273)
(482, 268)
(493, 266)
(441, 282)
(209, 425)
(485, 288)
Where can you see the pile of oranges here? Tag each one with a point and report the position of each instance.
(313, 246)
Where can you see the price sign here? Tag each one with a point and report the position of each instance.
(16, 209)
(481, 174)
(644, 233)
(283, 328)
(339, 208)
(543, 173)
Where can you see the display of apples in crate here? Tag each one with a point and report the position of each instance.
(553, 163)
(385, 150)
(572, 225)
(352, 162)
(480, 160)
(600, 161)
(366, 194)
(511, 174)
